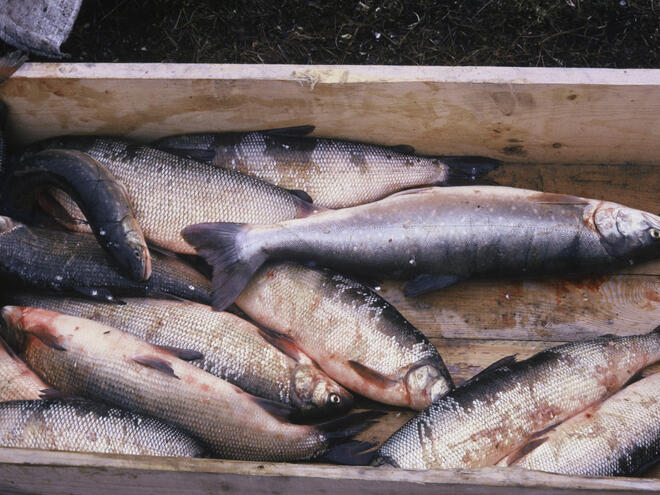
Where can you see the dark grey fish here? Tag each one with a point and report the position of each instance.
(73, 262)
(619, 437)
(79, 425)
(169, 192)
(335, 173)
(101, 197)
(501, 409)
(437, 236)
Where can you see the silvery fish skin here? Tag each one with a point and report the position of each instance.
(355, 336)
(86, 358)
(231, 347)
(79, 425)
(499, 411)
(67, 261)
(618, 437)
(17, 381)
(169, 192)
(437, 236)
(335, 173)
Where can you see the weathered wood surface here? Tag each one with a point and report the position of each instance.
(522, 115)
(25, 471)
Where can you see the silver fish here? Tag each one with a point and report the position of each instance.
(499, 410)
(619, 437)
(354, 335)
(79, 425)
(335, 173)
(221, 343)
(86, 358)
(437, 236)
(17, 381)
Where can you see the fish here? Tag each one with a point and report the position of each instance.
(217, 342)
(17, 381)
(61, 261)
(79, 425)
(499, 410)
(355, 336)
(336, 173)
(86, 358)
(435, 237)
(617, 437)
(169, 192)
(100, 196)
(9, 64)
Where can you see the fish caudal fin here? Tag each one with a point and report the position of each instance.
(468, 170)
(339, 432)
(220, 245)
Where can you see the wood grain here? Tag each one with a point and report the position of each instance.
(520, 115)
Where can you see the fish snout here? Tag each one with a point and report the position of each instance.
(425, 383)
(136, 252)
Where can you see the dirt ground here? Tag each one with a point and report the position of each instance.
(561, 33)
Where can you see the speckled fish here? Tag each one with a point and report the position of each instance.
(499, 410)
(86, 358)
(221, 343)
(78, 425)
(355, 336)
(69, 261)
(336, 173)
(437, 236)
(169, 192)
(618, 437)
(101, 197)
(17, 381)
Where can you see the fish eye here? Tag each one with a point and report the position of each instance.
(655, 233)
(334, 399)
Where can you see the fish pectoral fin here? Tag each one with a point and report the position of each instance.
(201, 155)
(427, 283)
(371, 375)
(51, 393)
(185, 354)
(156, 363)
(404, 149)
(282, 342)
(276, 409)
(48, 339)
(524, 450)
(98, 294)
(293, 131)
(500, 363)
(301, 194)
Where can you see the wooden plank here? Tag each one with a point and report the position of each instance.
(25, 471)
(521, 115)
(552, 309)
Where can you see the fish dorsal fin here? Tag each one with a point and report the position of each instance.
(185, 354)
(282, 342)
(293, 131)
(371, 375)
(500, 363)
(155, 362)
(404, 149)
(516, 455)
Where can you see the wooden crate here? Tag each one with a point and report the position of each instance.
(588, 132)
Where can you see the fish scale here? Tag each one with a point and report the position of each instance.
(78, 425)
(615, 438)
(232, 348)
(17, 381)
(498, 411)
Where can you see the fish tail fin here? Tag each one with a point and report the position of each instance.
(465, 170)
(656, 329)
(220, 244)
(10, 63)
(338, 433)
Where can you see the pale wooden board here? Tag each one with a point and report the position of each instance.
(26, 471)
(523, 115)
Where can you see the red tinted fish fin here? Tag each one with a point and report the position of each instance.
(276, 409)
(299, 193)
(185, 354)
(371, 375)
(404, 149)
(157, 363)
(427, 283)
(293, 131)
(49, 340)
(544, 198)
(524, 450)
(500, 363)
(51, 393)
(282, 342)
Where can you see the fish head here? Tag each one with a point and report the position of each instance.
(426, 382)
(11, 327)
(136, 252)
(626, 231)
(7, 224)
(314, 393)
